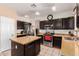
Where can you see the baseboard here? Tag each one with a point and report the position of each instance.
(4, 50)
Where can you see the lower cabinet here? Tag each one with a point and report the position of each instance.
(68, 47)
(17, 49)
(31, 49)
(57, 41)
(37, 47)
(41, 39)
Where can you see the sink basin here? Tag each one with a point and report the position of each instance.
(72, 38)
(68, 38)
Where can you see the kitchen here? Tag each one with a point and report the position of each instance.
(37, 29)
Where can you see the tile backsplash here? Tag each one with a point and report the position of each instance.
(57, 31)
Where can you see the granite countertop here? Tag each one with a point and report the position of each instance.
(21, 34)
(59, 35)
(25, 40)
(66, 35)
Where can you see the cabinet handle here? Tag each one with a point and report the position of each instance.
(16, 47)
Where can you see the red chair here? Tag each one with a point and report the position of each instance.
(48, 40)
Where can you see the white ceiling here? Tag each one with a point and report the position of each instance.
(23, 9)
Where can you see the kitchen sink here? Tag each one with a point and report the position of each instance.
(72, 38)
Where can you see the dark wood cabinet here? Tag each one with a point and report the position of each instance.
(51, 23)
(42, 23)
(17, 49)
(37, 47)
(20, 25)
(68, 23)
(31, 49)
(41, 39)
(58, 24)
(45, 24)
(57, 42)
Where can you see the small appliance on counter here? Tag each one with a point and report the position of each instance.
(76, 32)
(37, 31)
(21, 33)
(53, 33)
(71, 33)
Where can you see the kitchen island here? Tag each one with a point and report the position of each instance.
(25, 46)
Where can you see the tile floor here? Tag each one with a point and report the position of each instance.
(45, 51)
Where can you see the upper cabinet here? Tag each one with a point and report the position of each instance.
(58, 24)
(20, 25)
(42, 23)
(68, 23)
(47, 24)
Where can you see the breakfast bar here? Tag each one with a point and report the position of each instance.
(25, 46)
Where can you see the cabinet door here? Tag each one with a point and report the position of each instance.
(30, 49)
(20, 25)
(41, 24)
(68, 23)
(71, 23)
(37, 47)
(65, 23)
(57, 41)
(68, 47)
(58, 24)
(45, 24)
(51, 24)
(17, 49)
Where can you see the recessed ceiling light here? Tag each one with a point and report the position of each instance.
(54, 8)
(26, 16)
(37, 13)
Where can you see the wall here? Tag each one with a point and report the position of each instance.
(63, 14)
(7, 12)
(7, 32)
(24, 19)
(0, 33)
